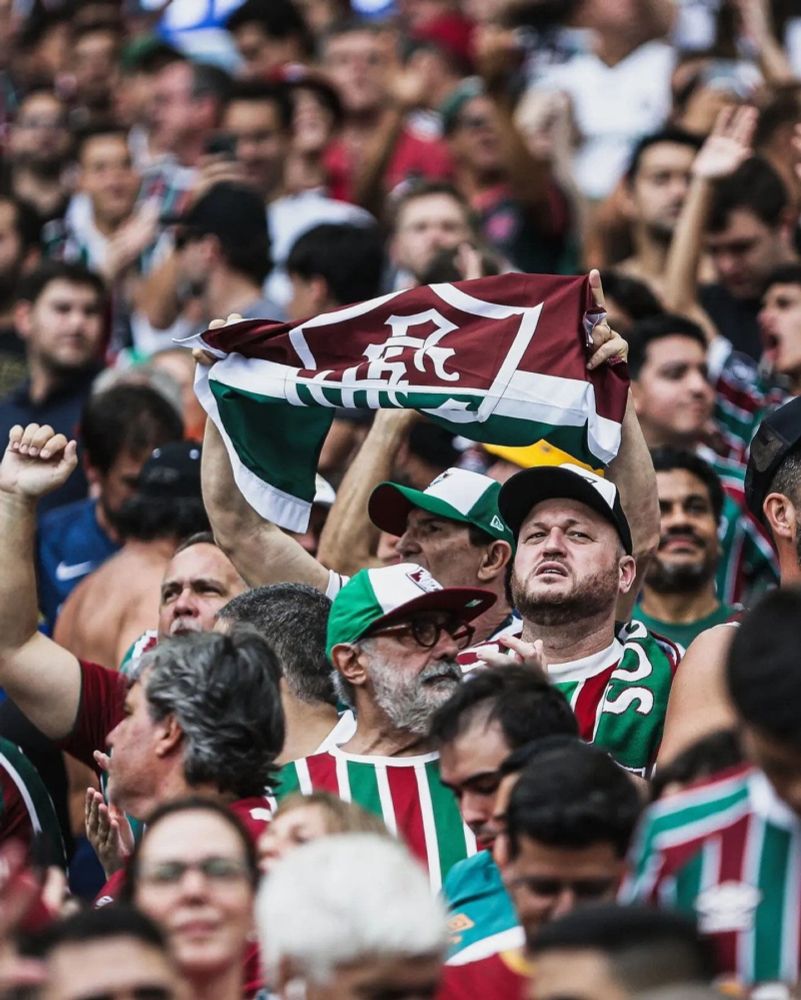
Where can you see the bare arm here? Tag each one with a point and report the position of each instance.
(262, 553)
(349, 537)
(699, 702)
(632, 471)
(41, 677)
(726, 148)
(757, 27)
(157, 294)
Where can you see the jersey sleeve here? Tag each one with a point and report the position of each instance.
(99, 710)
(645, 869)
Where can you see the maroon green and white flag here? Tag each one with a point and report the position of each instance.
(500, 360)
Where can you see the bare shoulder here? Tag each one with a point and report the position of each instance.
(699, 701)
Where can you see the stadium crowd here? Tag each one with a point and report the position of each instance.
(489, 720)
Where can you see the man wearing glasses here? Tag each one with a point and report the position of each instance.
(394, 635)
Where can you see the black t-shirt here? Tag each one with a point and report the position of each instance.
(736, 319)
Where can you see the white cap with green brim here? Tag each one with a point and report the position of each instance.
(456, 495)
(394, 593)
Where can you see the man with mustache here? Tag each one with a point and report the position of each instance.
(679, 597)
(394, 635)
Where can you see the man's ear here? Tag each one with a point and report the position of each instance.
(170, 736)
(348, 661)
(494, 561)
(780, 513)
(628, 572)
(22, 318)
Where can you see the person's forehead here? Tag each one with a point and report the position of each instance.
(480, 746)
(666, 156)
(104, 145)
(783, 291)
(418, 516)
(678, 484)
(675, 347)
(534, 855)
(351, 42)
(741, 223)
(39, 103)
(561, 508)
(239, 113)
(431, 207)
(191, 833)
(201, 560)
(63, 290)
(107, 965)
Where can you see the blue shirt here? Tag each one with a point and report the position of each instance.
(62, 410)
(479, 907)
(71, 544)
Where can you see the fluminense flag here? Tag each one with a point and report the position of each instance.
(499, 360)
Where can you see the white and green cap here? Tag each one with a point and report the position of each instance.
(392, 593)
(456, 494)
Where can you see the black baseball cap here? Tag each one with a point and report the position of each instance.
(232, 212)
(172, 471)
(545, 482)
(777, 436)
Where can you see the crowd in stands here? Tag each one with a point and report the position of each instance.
(499, 723)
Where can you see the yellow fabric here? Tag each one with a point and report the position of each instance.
(539, 453)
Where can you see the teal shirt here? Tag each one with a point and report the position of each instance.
(684, 634)
(479, 907)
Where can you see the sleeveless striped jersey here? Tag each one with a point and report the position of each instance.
(728, 851)
(405, 791)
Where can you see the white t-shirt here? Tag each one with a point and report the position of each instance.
(613, 107)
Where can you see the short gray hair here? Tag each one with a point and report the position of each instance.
(345, 897)
(223, 691)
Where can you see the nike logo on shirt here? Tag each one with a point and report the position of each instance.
(64, 572)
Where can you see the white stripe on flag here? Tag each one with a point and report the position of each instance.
(22, 788)
(304, 778)
(343, 779)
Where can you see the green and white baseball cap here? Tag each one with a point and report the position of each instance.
(392, 593)
(456, 494)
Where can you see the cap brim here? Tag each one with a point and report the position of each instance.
(467, 602)
(389, 506)
(531, 486)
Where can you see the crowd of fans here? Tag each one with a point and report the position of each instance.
(497, 724)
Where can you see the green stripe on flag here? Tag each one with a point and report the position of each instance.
(363, 780)
(260, 437)
(688, 884)
(447, 820)
(770, 913)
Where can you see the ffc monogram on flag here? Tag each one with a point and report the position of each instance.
(500, 360)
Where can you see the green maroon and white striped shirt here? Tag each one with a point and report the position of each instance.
(405, 791)
(728, 851)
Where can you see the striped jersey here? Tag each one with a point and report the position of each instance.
(405, 791)
(26, 809)
(620, 694)
(728, 851)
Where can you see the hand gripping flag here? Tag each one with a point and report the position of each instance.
(500, 360)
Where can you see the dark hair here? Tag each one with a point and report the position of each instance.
(763, 672)
(293, 618)
(524, 704)
(199, 538)
(259, 91)
(27, 223)
(98, 925)
(675, 136)
(443, 266)
(146, 518)
(519, 758)
(434, 445)
(349, 257)
(784, 109)
(631, 294)
(209, 80)
(707, 756)
(646, 331)
(96, 131)
(754, 186)
(646, 947)
(132, 418)
(223, 691)
(786, 274)
(327, 95)
(573, 796)
(667, 459)
(32, 285)
(277, 18)
(190, 803)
